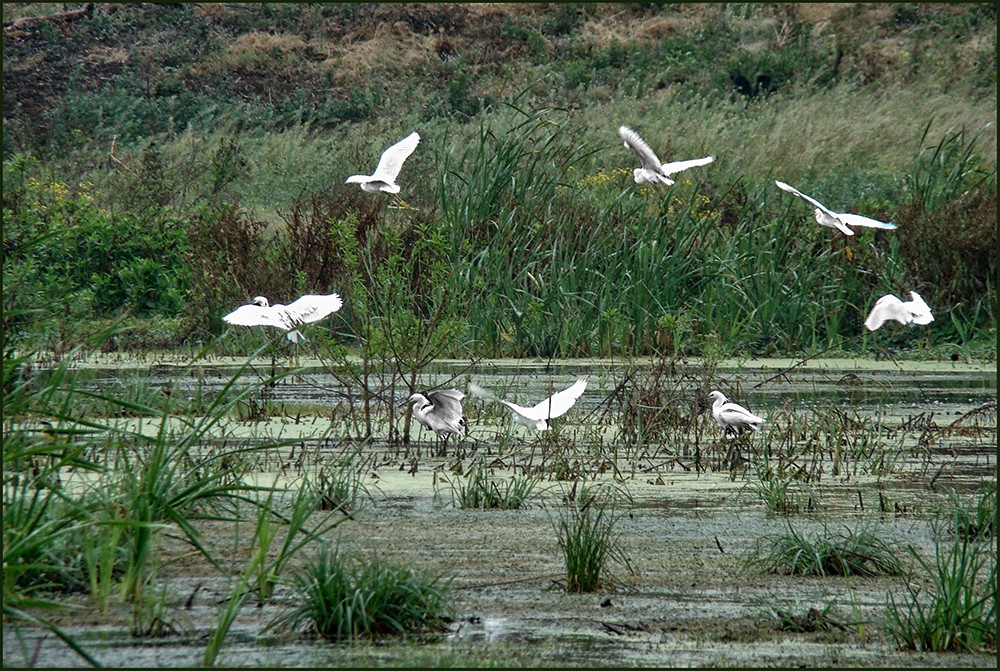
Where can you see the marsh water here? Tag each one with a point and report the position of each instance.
(879, 445)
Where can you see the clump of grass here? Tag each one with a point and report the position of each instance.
(976, 522)
(958, 611)
(846, 553)
(779, 496)
(342, 599)
(481, 490)
(341, 488)
(587, 538)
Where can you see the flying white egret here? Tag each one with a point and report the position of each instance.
(732, 417)
(384, 177)
(914, 311)
(304, 310)
(842, 221)
(537, 416)
(652, 171)
(440, 411)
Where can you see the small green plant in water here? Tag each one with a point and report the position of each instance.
(958, 610)
(972, 522)
(587, 538)
(481, 490)
(344, 599)
(846, 553)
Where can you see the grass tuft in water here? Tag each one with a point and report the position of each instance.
(587, 538)
(341, 488)
(975, 520)
(958, 609)
(482, 491)
(845, 553)
(343, 599)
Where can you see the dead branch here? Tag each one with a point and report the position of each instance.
(27, 21)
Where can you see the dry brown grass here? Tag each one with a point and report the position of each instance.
(395, 44)
(602, 31)
(101, 55)
(256, 42)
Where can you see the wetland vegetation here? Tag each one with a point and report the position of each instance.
(176, 492)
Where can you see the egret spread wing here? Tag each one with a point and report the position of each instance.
(858, 220)
(311, 307)
(919, 310)
(559, 403)
(887, 307)
(393, 158)
(447, 403)
(254, 315)
(815, 203)
(677, 166)
(647, 157)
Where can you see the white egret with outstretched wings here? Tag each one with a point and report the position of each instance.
(440, 411)
(537, 416)
(384, 177)
(842, 221)
(652, 171)
(913, 311)
(304, 310)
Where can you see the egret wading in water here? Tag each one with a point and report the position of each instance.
(652, 171)
(384, 177)
(913, 311)
(537, 416)
(842, 221)
(732, 417)
(441, 412)
(304, 310)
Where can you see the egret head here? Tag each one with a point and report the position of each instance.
(717, 396)
(417, 398)
(261, 301)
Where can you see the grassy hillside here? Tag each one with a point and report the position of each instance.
(164, 163)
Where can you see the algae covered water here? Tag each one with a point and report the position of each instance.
(877, 446)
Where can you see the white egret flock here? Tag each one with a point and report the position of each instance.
(441, 410)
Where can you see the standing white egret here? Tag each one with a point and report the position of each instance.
(914, 311)
(839, 220)
(537, 416)
(440, 411)
(652, 171)
(304, 310)
(732, 417)
(384, 177)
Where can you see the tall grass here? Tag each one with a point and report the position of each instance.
(86, 498)
(957, 611)
(850, 552)
(342, 598)
(589, 541)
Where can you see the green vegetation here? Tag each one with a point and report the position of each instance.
(849, 552)
(589, 541)
(196, 152)
(482, 490)
(951, 605)
(343, 599)
(973, 520)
